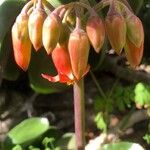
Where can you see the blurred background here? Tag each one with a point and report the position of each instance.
(117, 96)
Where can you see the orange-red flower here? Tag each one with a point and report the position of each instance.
(21, 41)
(116, 29)
(135, 31)
(51, 32)
(35, 25)
(71, 65)
(61, 60)
(96, 32)
(78, 47)
(134, 54)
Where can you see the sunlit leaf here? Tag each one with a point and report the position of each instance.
(142, 94)
(17, 147)
(100, 122)
(147, 138)
(28, 130)
(33, 148)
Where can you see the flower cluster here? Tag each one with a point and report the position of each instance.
(125, 31)
(69, 45)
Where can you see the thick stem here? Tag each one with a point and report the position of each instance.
(78, 22)
(39, 4)
(79, 114)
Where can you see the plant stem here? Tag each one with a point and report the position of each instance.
(98, 86)
(79, 114)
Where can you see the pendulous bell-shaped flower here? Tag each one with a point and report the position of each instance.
(96, 32)
(135, 31)
(78, 47)
(61, 60)
(116, 29)
(51, 32)
(35, 25)
(21, 41)
(133, 53)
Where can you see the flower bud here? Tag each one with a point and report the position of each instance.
(135, 32)
(78, 47)
(96, 32)
(21, 41)
(35, 24)
(51, 32)
(116, 30)
(134, 54)
(61, 60)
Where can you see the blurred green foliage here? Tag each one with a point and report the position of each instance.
(121, 99)
(37, 134)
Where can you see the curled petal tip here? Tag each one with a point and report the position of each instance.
(58, 78)
(50, 78)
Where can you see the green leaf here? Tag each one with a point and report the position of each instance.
(17, 147)
(9, 9)
(7, 62)
(142, 94)
(48, 142)
(100, 122)
(33, 148)
(99, 104)
(28, 130)
(147, 138)
(67, 142)
(42, 63)
(136, 5)
(120, 104)
(53, 133)
(122, 146)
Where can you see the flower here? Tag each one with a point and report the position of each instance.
(116, 29)
(35, 25)
(21, 41)
(135, 31)
(133, 53)
(61, 60)
(78, 47)
(51, 32)
(96, 32)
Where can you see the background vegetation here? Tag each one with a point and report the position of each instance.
(117, 97)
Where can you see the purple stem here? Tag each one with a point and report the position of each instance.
(79, 114)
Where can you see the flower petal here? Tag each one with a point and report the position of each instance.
(51, 78)
(58, 78)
